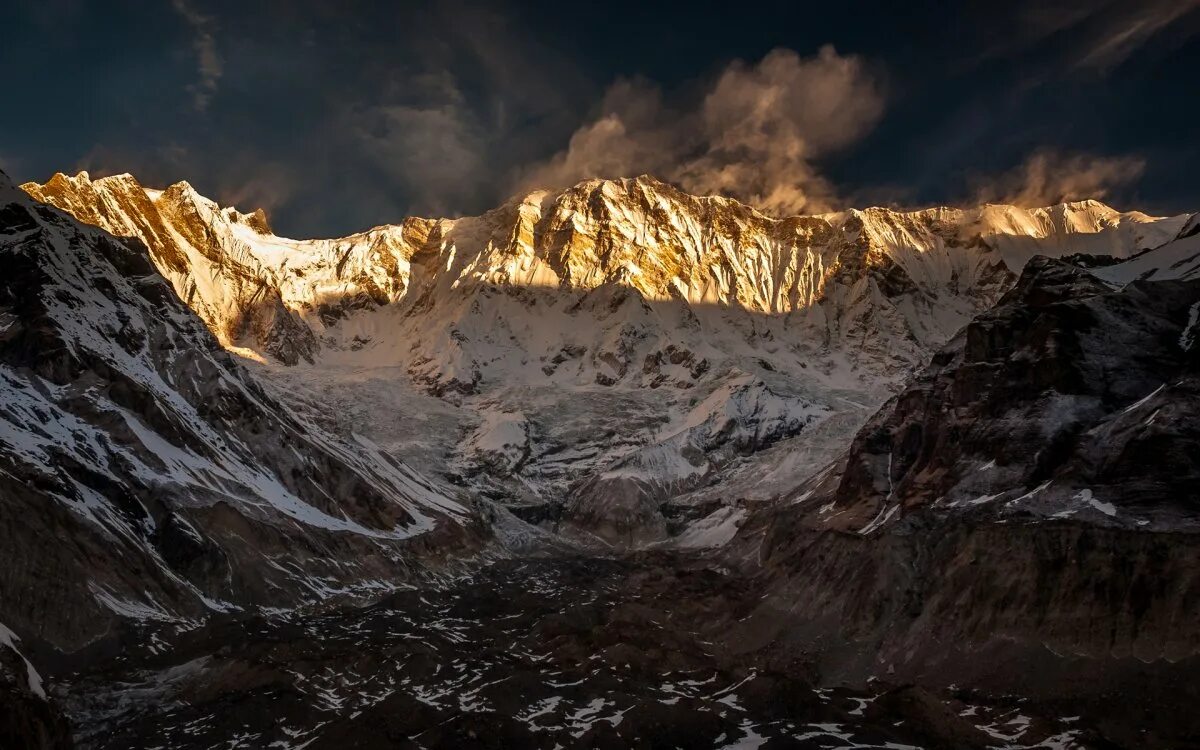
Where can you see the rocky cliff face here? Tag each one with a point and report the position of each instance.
(147, 476)
(1060, 402)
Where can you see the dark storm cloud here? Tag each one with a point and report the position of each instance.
(336, 117)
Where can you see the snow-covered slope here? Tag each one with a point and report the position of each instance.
(541, 353)
(146, 474)
(1177, 259)
(823, 273)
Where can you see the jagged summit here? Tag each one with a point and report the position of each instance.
(646, 186)
(876, 287)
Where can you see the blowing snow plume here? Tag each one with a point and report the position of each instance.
(1050, 177)
(754, 135)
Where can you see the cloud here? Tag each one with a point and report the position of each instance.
(1100, 36)
(155, 166)
(244, 180)
(754, 134)
(268, 186)
(10, 164)
(431, 144)
(1113, 43)
(371, 122)
(1049, 177)
(209, 64)
(476, 98)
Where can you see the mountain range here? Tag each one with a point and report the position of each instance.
(701, 330)
(924, 440)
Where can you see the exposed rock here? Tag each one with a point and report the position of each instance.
(566, 652)
(1067, 394)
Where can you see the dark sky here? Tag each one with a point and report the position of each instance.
(336, 116)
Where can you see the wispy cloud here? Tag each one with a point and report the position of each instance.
(1123, 34)
(209, 64)
(430, 143)
(477, 97)
(1100, 36)
(268, 185)
(754, 135)
(1048, 177)
(9, 164)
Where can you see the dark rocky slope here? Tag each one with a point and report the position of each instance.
(144, 476)
(28, 719)
(1021, 518)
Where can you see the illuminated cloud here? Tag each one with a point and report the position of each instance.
(1048, 177)
(1113, 43)
(754, 135)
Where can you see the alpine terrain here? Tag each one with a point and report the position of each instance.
(609, 466)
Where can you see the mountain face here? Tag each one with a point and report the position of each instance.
(597, 358)
(1177, 259)
(146, 476)
(1023, 514)
(1066, 393)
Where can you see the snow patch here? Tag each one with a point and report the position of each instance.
(1088, 498)
(1142, 401)
(714, 530)
(32, 678)
(1188, 338)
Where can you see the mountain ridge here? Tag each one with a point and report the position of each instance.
(577, 245)
(647, 301)
(260, 218)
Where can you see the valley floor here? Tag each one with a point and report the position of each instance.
(538, 652)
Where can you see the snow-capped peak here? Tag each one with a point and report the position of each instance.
(284, 298)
